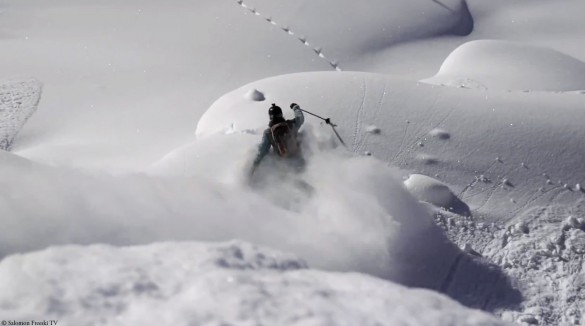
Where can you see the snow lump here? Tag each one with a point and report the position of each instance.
(435, 192)
(255, 95)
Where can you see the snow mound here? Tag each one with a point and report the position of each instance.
(435, 192)
(373, 130)
(510, 66)
(427, 159)
(440, 133)
(255, 95)
(208, 284)
(18, 102)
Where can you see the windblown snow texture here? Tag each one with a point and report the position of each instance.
(18, 102)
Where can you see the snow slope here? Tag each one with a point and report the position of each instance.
(125, 86)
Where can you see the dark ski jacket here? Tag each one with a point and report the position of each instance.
(267, 141)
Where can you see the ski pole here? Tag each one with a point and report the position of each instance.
(336, 134)
(313, 114)
(327, 121)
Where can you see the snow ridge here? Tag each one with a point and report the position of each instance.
(18, 102)
(318, 50)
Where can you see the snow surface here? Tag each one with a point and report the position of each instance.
(151, 112)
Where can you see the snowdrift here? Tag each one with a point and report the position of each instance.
(492, 64)
(432, 191)
(201, 284)
(18, 102)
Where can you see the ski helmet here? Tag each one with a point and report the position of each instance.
(274, 112)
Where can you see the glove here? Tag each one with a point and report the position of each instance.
(293, 105)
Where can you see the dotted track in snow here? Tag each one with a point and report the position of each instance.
(317, 50)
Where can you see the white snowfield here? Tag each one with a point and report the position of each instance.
(463, 172)
(189, 283)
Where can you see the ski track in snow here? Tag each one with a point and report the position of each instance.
(359, 117)
(402, 141)
(499, 185)
(315, 49)
(539, 195)
(428, 117)
(485, 172)
(364, 141)
(422, 132)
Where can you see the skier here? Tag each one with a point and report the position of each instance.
(281, 135)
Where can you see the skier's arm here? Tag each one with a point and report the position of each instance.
(299, 116)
